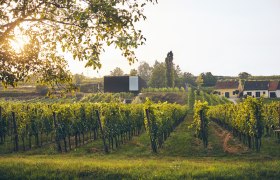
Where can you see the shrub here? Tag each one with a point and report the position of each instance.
(42, 89)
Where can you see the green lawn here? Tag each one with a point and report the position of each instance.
(182, 157)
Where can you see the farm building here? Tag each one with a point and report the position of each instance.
(256, 88)
(116, 84)
(274, 89)
(229, 89)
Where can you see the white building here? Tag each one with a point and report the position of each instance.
(256, 88)
(274, 89)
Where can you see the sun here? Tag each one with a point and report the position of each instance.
(19, 41)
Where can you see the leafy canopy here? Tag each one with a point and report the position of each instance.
(54, 27)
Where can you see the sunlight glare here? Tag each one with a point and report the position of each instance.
(19, 41)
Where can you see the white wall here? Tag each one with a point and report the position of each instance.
(278, 93)
(254, 93)
(133, 83)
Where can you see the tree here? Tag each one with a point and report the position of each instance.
(209, 79)
(179, 77)
(169, 70)
(117, 72)
(145, 71)
(78, 78)
(191, 98)
(244, 75)
(206, 79)
(189, 79)
(158, 78)
(48, 28)
(200, 79)
(133, 72)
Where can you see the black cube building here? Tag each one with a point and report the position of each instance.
(116, 84)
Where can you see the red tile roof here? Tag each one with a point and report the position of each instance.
(227, 85)
(273, 85)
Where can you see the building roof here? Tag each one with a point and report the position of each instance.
(256, 85)
(273, 85)
(227, 85)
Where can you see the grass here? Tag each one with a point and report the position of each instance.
(270, 100)
(182, 157)
(62, 167)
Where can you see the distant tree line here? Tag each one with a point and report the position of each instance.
(167, 74)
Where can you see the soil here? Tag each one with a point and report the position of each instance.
(231, 145)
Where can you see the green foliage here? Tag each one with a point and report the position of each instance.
(107, 97)
(176, 89)
(81, 28)
(133, 72)
(117, 72)
(161, 119)
(246, 120)
(190, 79)
(271, 113)
(244, 75)
(84, 167)
(191, 98)
(200, 121)
(158, 77)
(72, 120)
(78, 78)
(120, 122)
(145, 71)
(206, 79)
(42, 89)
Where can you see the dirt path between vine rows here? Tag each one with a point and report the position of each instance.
(231, 144)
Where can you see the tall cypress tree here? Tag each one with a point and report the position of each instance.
(169, 70)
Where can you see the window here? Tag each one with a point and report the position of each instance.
(227, 94)
(258, 94)
(233, 93)
(249, 93)
(273, 95)
(264, 92)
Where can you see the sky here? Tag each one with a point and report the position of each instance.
(224, 37)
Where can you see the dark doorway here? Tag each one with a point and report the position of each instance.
(227, 94)
(272, 95)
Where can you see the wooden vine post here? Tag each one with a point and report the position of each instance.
(153, 142)
(57, 136)
(201, 122)
(15, 132)
(102, 132)
(1, 127)
(203, 128)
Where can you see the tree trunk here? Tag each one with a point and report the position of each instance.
(153, 142)
(102, 132)
(23, 144)
(1, 127)
(57, 137)
(69, 141)
(76, 139)
(65, 144)
(15, 131)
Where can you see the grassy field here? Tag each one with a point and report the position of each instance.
(182, 157)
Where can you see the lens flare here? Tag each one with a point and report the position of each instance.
(18, 43)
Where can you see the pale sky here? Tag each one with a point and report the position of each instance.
(224, 37)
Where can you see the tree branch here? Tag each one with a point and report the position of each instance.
(52, 20)
(12, 25)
